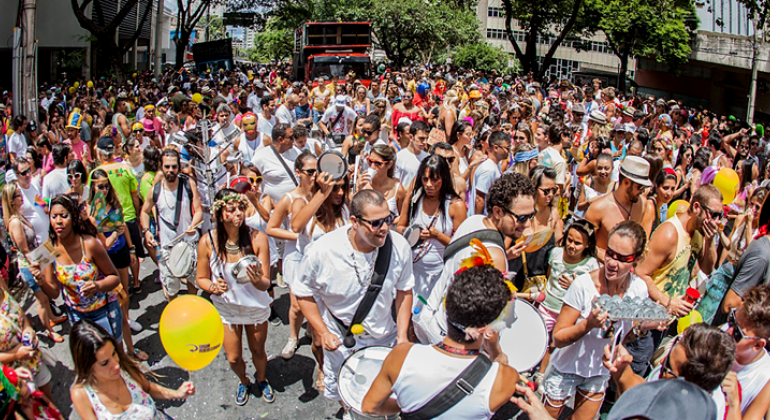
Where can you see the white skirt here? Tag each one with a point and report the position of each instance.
(233, 314)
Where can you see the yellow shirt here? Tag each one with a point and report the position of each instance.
(673, 279)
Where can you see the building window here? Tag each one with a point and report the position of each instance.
(495, 11)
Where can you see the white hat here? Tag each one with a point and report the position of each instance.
(339, 100)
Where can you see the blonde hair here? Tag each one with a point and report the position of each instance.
(450, 97)
(522, 167)
(9, 191)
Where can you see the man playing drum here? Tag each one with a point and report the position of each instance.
(179, 214)
(335, 275)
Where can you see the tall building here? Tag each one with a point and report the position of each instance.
(574, 60)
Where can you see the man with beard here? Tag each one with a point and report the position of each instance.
(675, 247)
(165, 199)
(625, 203)
(335, 275)
(510, 206)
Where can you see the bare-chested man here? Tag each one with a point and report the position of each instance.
(624, 203)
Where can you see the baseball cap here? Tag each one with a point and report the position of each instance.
(668, 399)
(105, 143)
(31, 125)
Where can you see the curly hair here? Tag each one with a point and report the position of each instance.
(476, 297)
(507, 188)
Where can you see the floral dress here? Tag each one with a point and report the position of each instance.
(73, 277)
(11, 321)
(142, 405)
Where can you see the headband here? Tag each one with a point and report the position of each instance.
(525, 156)
(239, 198)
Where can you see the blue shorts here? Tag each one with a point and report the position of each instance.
(109, 317)
(28, 278)
(317, 115)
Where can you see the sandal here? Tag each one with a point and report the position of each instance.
(140, 355)
(54, 322)
(56, 337)
(319, 382)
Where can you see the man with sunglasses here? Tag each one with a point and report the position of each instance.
(279, 179)
(55, 182)
(510, 207)
(336, 272)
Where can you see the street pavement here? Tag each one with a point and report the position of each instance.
(293, 380)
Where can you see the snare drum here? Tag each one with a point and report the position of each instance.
(333, 163)
(180, 261)
(526, 340)
(356, 377)
(412, 235)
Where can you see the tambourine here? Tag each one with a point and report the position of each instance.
(412, 235)
(333, 163)
(240, 269)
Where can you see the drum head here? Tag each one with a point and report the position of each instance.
(412, 235)
(333, 163)
(526, 340)
(357, 374)
(181, 258)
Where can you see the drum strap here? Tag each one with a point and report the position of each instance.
(380, 270)
(489, 235)
(283, 162)
(336, 120)
(462, 386)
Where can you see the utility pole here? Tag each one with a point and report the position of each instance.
(208, 20)
(754, 71)
(27, 88)
(158, 39)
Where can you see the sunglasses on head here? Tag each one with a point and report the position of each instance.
(738, 334)
(377, 224)
(619, 257)
(522, 218)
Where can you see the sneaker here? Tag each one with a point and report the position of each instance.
(135, 326)
(267, 392)
(289, 349)
(275, 320)
(280, 282)
(242, 397)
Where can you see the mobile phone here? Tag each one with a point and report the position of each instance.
(615, 342)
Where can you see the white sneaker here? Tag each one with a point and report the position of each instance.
(289, 349)
(135, 326)
(280, 282)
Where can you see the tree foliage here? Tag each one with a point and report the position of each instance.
(273, 42)
(480, 56)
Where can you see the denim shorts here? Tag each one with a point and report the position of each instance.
(109, 317)
(28, 278)
(561, 386)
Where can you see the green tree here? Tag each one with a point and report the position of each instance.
(480, 56)
(273, 42)
(215, 26)
(647, 28)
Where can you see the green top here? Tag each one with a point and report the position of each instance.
(124, 183)
(146, 184)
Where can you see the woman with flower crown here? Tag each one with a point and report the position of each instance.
(237, 278)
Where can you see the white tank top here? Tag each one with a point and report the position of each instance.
(426, 371)
(432, 261)
(393, 201)
(256, 222)
(243, 294)
(166, 206)
(313, 231)
(289, 246)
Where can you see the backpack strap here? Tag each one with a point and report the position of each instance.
(462, 386)
(488, 235)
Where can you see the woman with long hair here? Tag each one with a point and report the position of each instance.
(43, 147)
(22, 235)
(76, 178)
(106, 213)
(597, 184)
(379, 177)
(305, 172)
(83, 270)
(354, 142)
(407, 109)
(747, 173)
(662, 194)
(380, 107)
(108, 384)
(132, 155)
(151, 162)
(462, 142)
(434, 206)
(682, 169)
(241, 298)
(361, 104)
(524, 159)
(447, 116)
(35, 163)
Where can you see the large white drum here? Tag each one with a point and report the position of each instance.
(526, 339)
(356, 377)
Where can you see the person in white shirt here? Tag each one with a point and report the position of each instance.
(277, 175)
(301, 143)
(255, 97)
(335, 273)
(551, 156)
(488, 171)
(17, 144)
(34, 208)
(332, 126)
(267, 117)
(55, 182)
(285, 113)
(250, 140)
(409, 158)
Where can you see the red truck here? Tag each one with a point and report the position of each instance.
(332, 49)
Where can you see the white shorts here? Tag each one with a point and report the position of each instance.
(233, 314)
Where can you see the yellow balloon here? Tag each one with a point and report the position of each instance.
(677, 207)
(76, 84)
(90, 84)
(71, 89)
(685, 321)
(197, 98)
(134, 75)
(727, 181)
(191, 331)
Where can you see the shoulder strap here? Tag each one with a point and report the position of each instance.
(178, 210)
(489, 235)
(336, 120)
(378, 277)
(283, 162)
(462, 386)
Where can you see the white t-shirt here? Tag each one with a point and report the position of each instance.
(483, 177)
(34, 213)
(254, 103)
(345, 122)
(295, 151)
(752, 378)
(17, 144)
(584, 357)
(265, 126)
(551, 158)
(286, 116)
(249, 147)
(407, 164)
(328, 273)
(55, 183)
(277, 181)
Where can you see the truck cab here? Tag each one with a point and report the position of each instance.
(332, 49)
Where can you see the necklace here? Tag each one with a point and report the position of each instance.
(232, 248)
(622, 207)
(365, 282)
(456, 350)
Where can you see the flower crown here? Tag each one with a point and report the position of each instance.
(239, 198)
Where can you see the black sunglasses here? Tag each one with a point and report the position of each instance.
(309, 172)
(520, 219)
(546, 191)
(738, 334)
(450, 160)
(377, 224)
(368, 132)
(665, 367)
(712, 214)
(25, 173)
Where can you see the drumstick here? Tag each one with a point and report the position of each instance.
(183, 233)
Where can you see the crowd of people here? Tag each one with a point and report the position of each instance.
(421, 211)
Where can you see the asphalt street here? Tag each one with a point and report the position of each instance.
(293, 380)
